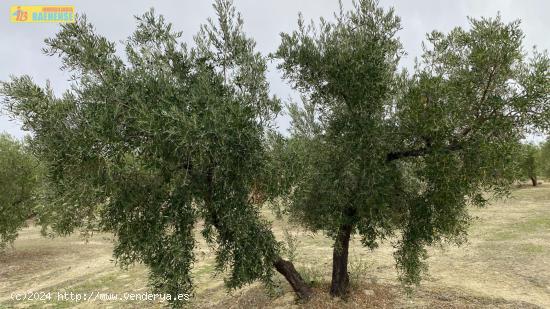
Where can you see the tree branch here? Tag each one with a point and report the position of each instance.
(453, 146)
(419, 152)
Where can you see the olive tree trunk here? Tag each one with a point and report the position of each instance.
(340, 277)
(286, 268)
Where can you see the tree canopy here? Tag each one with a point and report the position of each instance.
(402, 154)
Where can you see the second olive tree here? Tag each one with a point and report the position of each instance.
(384, 154)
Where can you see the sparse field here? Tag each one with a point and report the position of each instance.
(506, 264)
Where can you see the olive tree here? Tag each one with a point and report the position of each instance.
(529, 164)
(397, 155)
(147, 146)
(19, 186)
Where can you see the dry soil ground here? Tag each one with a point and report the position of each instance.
(505, 264)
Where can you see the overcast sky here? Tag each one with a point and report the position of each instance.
(20, 48)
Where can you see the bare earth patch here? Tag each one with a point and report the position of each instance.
(372, 296)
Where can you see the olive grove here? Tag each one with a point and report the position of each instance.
(169, 137)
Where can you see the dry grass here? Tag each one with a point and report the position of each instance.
(370, 295)
(505, 264)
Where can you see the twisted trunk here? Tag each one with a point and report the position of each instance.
(285, 268)
(534, 181)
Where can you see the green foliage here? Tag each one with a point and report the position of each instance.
(19, 184)
(148, 146)
(404, 154)
(344, 70)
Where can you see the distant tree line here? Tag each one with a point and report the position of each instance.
(534, 162)
(20, 185)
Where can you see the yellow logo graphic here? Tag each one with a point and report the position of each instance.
(42, 14)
